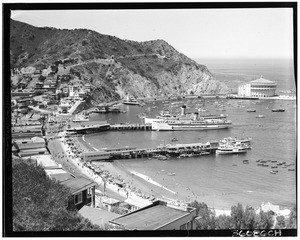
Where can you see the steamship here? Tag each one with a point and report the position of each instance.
(187, 122)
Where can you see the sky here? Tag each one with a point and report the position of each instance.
(197, 33)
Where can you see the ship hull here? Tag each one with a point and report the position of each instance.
(157, 126)
(222, 152)
(131, 103)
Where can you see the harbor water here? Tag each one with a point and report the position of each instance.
(220, 181)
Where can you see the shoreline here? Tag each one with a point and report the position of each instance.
(138, 188)
(146, 185)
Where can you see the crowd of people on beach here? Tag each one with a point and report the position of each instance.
(75, 148)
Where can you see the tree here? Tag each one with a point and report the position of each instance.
(207, 219)
(223, 222)
(280, 222)
(237, 215)
(39, 203)
(249, 218)
(264, 220)
(292, 219)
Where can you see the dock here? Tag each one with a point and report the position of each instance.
(177, 150)
(135, 126)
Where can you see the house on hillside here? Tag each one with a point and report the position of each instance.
(83, 192)
(157, 216)
(82, 189)
(26, 131)
(28, 147)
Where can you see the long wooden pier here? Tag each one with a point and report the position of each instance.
(135, 126)
(177, 150)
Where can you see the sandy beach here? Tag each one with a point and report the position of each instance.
(116, 179)
(137, 181)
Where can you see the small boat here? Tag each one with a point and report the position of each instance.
(174, 139)
(291, 169)
(273, 161)
(162, 158)
(204, 153)
(251, 110)
(274, 166)
(183, 155)
(273, 172)
(260, 116)
(245, 161)
(130, 101)
(278, 110)
(171, 174)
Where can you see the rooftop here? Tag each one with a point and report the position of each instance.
(262, 80)
(78, 184)
(151, 217)
(97, 216)
(45, 160)
(59, 174)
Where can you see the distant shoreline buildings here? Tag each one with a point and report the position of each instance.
(257, 88)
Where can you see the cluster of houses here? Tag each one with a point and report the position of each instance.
(41, 88)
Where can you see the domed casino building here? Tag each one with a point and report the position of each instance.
(257, 88)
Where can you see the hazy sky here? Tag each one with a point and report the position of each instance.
(197, 33)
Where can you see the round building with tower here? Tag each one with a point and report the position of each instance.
(257, 88)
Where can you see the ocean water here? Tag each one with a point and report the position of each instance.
(235, 71)
(213, 179)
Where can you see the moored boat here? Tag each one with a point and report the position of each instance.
(231, 148)
(278, 110)
(166, 122)
(130, 101)
(171, 174)
(251, 110)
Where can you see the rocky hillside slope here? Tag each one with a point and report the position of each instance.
(115, 67)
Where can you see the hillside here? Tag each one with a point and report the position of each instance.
(115, 67)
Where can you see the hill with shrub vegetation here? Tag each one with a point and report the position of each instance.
(39, 203)
(114, 66)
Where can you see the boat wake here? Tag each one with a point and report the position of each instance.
(149, 180)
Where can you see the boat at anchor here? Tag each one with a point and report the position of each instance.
(187, 122)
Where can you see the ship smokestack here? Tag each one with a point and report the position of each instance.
(196, 116)
(183, 110)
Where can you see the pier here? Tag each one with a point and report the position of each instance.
(135, 126)
(177, 150)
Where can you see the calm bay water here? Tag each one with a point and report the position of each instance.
(235, 71)
(213, 179)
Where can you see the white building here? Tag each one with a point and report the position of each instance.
(257, 88)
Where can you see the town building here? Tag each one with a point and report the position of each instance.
(157, 216)
(98, 216)
(26, 131)
(257, 88)
(82, 190)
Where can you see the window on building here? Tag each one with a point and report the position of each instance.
(89, 192)
(77, 198)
